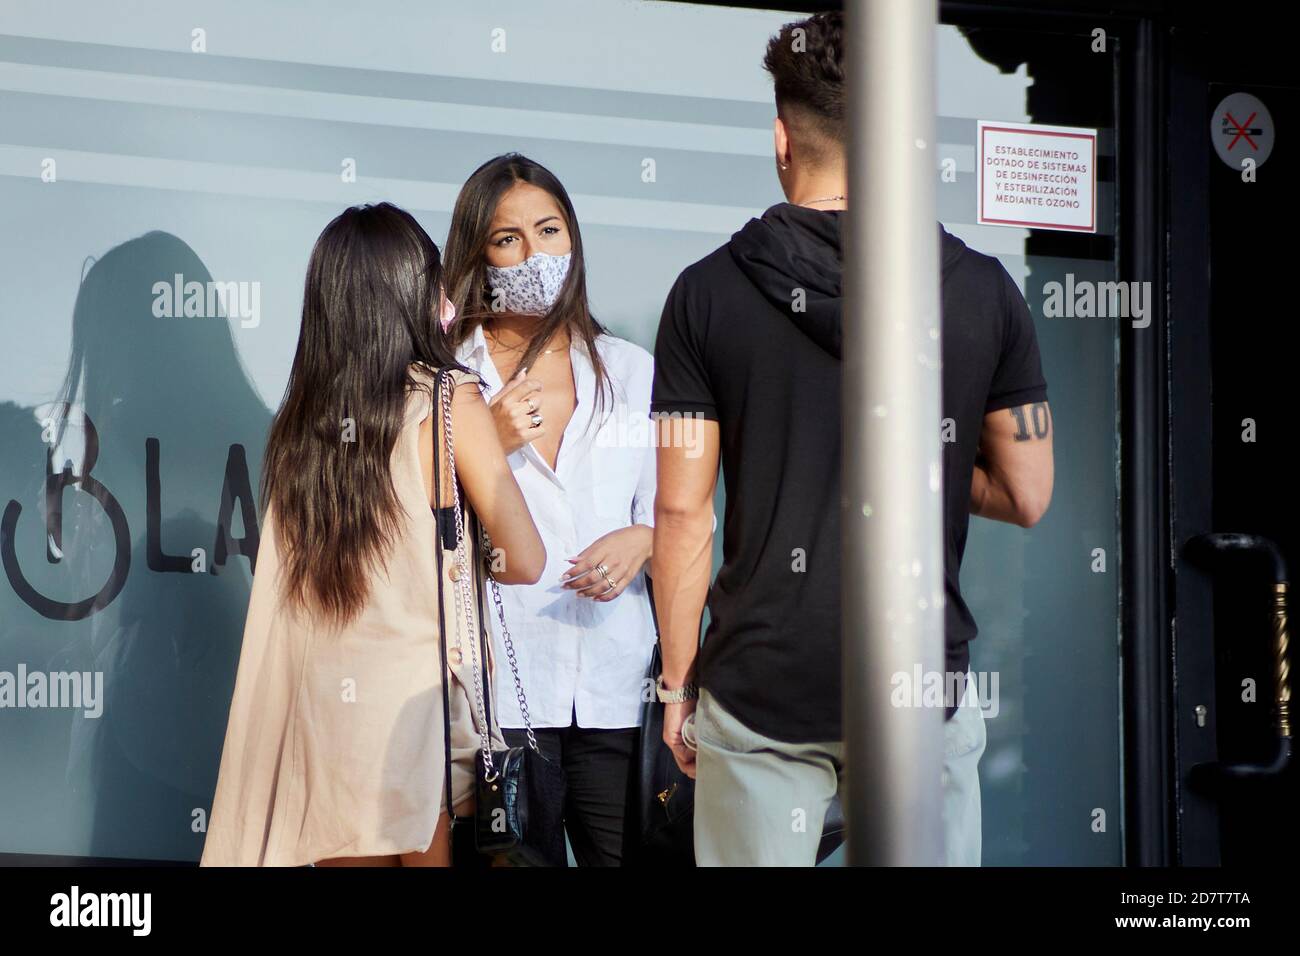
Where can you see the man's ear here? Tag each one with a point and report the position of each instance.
(781, 141)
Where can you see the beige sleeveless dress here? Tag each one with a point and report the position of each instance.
(334, 743)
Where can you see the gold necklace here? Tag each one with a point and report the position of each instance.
(516, 348)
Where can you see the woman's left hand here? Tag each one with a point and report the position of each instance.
(621, 553)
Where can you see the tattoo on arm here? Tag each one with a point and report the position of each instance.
(1031, 421)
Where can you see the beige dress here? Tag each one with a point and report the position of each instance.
(334, 744)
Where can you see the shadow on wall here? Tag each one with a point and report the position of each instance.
(128, 547)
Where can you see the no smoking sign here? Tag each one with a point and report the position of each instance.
(1241, 129)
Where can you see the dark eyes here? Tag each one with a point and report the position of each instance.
(510, 237)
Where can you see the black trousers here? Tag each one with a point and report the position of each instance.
(597, 768)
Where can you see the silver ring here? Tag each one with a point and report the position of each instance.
(604, 571)
(536, 420)
(532, 406)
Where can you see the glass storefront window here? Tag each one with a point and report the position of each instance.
(215, 142)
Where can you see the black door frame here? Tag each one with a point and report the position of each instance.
(1202, 68)
(1190, 448)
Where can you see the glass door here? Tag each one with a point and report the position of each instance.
(1047, 599)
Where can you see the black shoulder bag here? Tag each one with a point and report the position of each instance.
(519, 794)
(660, 829)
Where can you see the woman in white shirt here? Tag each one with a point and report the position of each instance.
(571, 404)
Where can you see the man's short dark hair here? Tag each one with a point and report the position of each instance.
(806, 60)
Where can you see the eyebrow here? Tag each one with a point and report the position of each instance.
(517, 229)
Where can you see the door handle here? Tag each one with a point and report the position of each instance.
(1210, 551)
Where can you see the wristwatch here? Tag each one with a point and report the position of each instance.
(679, 696)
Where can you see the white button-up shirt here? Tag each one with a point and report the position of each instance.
(576, 655)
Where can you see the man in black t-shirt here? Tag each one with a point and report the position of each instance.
(748, 357)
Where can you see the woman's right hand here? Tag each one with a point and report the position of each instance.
(492, 490)
(513, 409)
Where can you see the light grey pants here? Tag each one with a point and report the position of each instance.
(762, 802)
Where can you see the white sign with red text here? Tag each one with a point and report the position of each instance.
(1037, 177)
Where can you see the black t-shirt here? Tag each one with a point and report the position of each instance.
(750, 337)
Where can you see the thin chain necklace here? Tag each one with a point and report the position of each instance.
(825, 199)
(517, 348)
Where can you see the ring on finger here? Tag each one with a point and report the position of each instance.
(536, 420)
(532, 406)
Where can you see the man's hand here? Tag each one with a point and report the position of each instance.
(674, 716)
(512, 410)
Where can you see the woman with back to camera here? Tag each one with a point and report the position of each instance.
(334, 750)
(571, 404)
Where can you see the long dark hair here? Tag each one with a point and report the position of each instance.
(467, 282)
(369, 311)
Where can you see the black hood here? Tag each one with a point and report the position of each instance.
(796, 248)
(950, 250)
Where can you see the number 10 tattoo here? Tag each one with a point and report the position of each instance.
(1037, 417)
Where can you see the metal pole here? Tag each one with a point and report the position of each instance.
(892, 586)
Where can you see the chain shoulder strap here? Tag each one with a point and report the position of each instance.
(505, 639)
(465, 598)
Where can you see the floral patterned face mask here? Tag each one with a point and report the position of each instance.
(531, 286)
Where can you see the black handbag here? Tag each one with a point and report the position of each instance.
(662, 815)
(519, 794)
(662, 818)
(519, 810)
